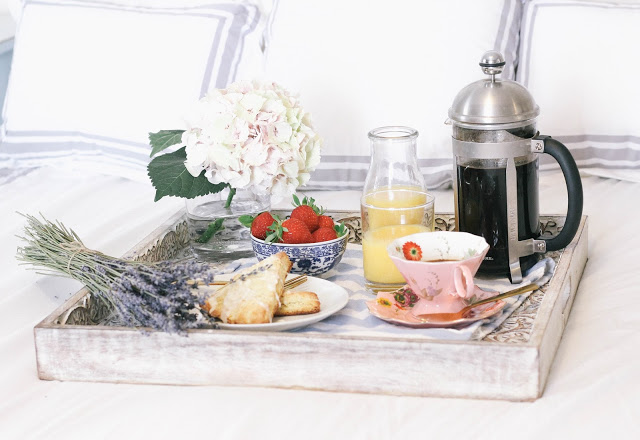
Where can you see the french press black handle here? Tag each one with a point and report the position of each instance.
(574, 192)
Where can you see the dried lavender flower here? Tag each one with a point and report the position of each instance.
(162, 296)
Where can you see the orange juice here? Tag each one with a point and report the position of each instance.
(378, 267)
(385, 207)
(388, 214)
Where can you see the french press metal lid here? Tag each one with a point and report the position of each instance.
(496, 148)
(492, 101)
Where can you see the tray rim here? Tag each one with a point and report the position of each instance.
(152, 238)
(530, 349)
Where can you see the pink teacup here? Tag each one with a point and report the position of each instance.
(443, 275)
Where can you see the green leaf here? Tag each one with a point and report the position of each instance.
(310, 201)
(164, 139)
(246, 220)
(275, 231)
(340, 229)
(213, 228)
(170, 177)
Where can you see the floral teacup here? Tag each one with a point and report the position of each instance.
(439, 267)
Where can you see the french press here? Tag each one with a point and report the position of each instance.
(496, 148)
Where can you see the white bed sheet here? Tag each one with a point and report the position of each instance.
(593, 388)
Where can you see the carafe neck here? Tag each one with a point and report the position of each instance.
(394, 162)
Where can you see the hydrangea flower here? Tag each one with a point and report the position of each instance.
(253, 136)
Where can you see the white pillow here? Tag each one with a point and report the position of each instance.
(91, 79)
(361, 64)
(579, 60)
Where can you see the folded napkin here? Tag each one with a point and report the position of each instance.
(355, 320)
(540, 274)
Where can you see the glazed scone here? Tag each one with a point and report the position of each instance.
(213, 304)
(291, 303)
(298, 303)
(252, 295)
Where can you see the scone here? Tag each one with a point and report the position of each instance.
(252, 295)
(213, 304)
(291, 303)
(298, 303)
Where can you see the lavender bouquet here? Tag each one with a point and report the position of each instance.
(163, 296)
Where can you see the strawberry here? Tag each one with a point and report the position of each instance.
(295, 231)
(291, 231)
(306, 214)
(412, 251)
(259, 225)
(324, 234)
(325, 221)
(307, 211)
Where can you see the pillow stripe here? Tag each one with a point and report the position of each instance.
(100, 161)
(44, 135)
(602, 138)
(620, 156)
(32, 149)
(243, 20)
(338, 172)
(508, 35)
(599, 164)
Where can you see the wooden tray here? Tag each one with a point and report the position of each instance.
(511, 363)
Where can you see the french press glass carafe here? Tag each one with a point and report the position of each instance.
(496, 148)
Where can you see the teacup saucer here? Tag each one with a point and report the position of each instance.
(395, 308)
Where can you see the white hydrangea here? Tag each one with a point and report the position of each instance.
(252, 136)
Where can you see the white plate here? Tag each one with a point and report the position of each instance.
(332, 299)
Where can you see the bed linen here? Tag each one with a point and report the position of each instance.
(593, 388)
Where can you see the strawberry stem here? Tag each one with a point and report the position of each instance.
(309, 201)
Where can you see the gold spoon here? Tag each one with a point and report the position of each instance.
(288, 284)
(443, 317)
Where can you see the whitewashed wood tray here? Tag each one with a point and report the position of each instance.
(511, 363)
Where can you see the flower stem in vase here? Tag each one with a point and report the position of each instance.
(214, 227)
(232, 192)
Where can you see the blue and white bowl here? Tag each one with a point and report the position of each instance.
(310, 258)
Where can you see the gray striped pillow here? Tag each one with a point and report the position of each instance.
(362, 64)
(91, 79)
(578, 60)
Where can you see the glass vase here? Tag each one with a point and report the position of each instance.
(214, 229)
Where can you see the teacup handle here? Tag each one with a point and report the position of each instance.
(463, 281)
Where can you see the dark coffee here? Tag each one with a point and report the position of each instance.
(482, 210)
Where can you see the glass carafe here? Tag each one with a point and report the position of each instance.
(394, 202)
